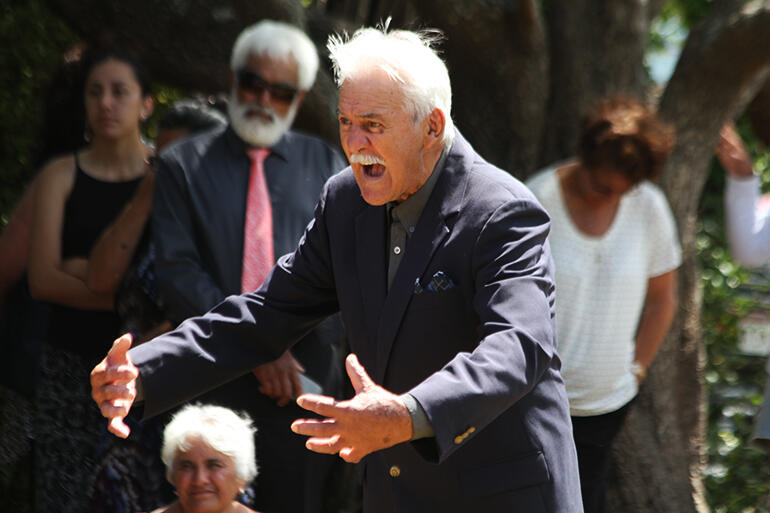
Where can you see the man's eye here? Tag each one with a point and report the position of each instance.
(374, 124)
(344, 121)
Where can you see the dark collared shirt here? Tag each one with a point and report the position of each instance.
(403, 218)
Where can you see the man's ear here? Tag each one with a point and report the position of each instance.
(434, 127)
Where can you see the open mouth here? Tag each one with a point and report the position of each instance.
(372, 165)
(374, 170)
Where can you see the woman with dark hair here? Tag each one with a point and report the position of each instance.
(77, 197)
(616, 251)
(122, 260)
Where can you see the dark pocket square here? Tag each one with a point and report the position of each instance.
(439, 282)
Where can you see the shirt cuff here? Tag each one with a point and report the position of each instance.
(420, 422)
(745, 182)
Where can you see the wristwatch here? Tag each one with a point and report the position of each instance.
(638, 370)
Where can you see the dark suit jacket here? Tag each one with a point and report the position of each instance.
(198, 221)
(479, 356)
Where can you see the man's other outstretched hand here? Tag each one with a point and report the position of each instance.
(113, 385)
(373, 419)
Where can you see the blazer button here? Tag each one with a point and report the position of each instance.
(459, 439)
(394, 471)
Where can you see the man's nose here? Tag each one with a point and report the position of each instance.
(357, 140)
(263, 97)
(259, 96)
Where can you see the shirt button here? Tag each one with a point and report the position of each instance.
(394, 471)
(397, 250)
(411, 229)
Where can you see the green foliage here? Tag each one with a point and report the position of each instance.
(738, 473)
(32, 41)
(164, 97)
(689, 11)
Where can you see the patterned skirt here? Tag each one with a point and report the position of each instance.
(79, 465)
(67, 430)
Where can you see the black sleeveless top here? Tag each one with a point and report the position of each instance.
(92, 206)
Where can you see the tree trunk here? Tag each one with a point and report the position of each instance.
(496, 54)
(596, 50)
(662, 442)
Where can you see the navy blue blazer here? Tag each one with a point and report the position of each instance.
(477, 352)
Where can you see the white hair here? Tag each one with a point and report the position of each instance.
(279, 41)
(220, 428)
(408, 58)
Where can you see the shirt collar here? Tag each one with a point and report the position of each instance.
(409, 210)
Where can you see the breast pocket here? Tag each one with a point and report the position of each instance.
(446, 300)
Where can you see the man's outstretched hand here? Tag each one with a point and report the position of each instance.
(373, 419)
(113, 385)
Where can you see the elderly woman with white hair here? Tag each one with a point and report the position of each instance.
(209, 455)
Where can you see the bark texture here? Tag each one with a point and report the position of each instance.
(523, 72)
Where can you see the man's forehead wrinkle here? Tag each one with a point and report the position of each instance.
(370, 114)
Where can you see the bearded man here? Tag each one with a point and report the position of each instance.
(227, 204)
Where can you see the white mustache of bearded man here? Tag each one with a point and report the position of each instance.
(247, 110)
(366, 160)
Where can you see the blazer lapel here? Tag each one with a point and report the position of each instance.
(370, 264)
(430, 232)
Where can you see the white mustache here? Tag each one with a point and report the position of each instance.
(367, 160)
(249, 108)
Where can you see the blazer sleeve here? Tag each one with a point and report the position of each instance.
(187, 289)
(514, 300)
(243, 331)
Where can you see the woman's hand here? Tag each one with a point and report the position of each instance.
(732, 153)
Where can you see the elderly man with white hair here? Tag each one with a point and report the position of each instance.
(440, 265)
(227, 203)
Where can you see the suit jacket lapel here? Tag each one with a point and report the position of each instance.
(371, 265)
(431, 231)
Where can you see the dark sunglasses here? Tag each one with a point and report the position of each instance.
(255, 84)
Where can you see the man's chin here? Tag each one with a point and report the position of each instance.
(373, 198)
(258, 137)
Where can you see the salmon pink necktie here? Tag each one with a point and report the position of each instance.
(258, 229)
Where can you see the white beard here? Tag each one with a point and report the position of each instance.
(254, 130)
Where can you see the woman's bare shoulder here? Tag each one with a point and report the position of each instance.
(58, 169)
